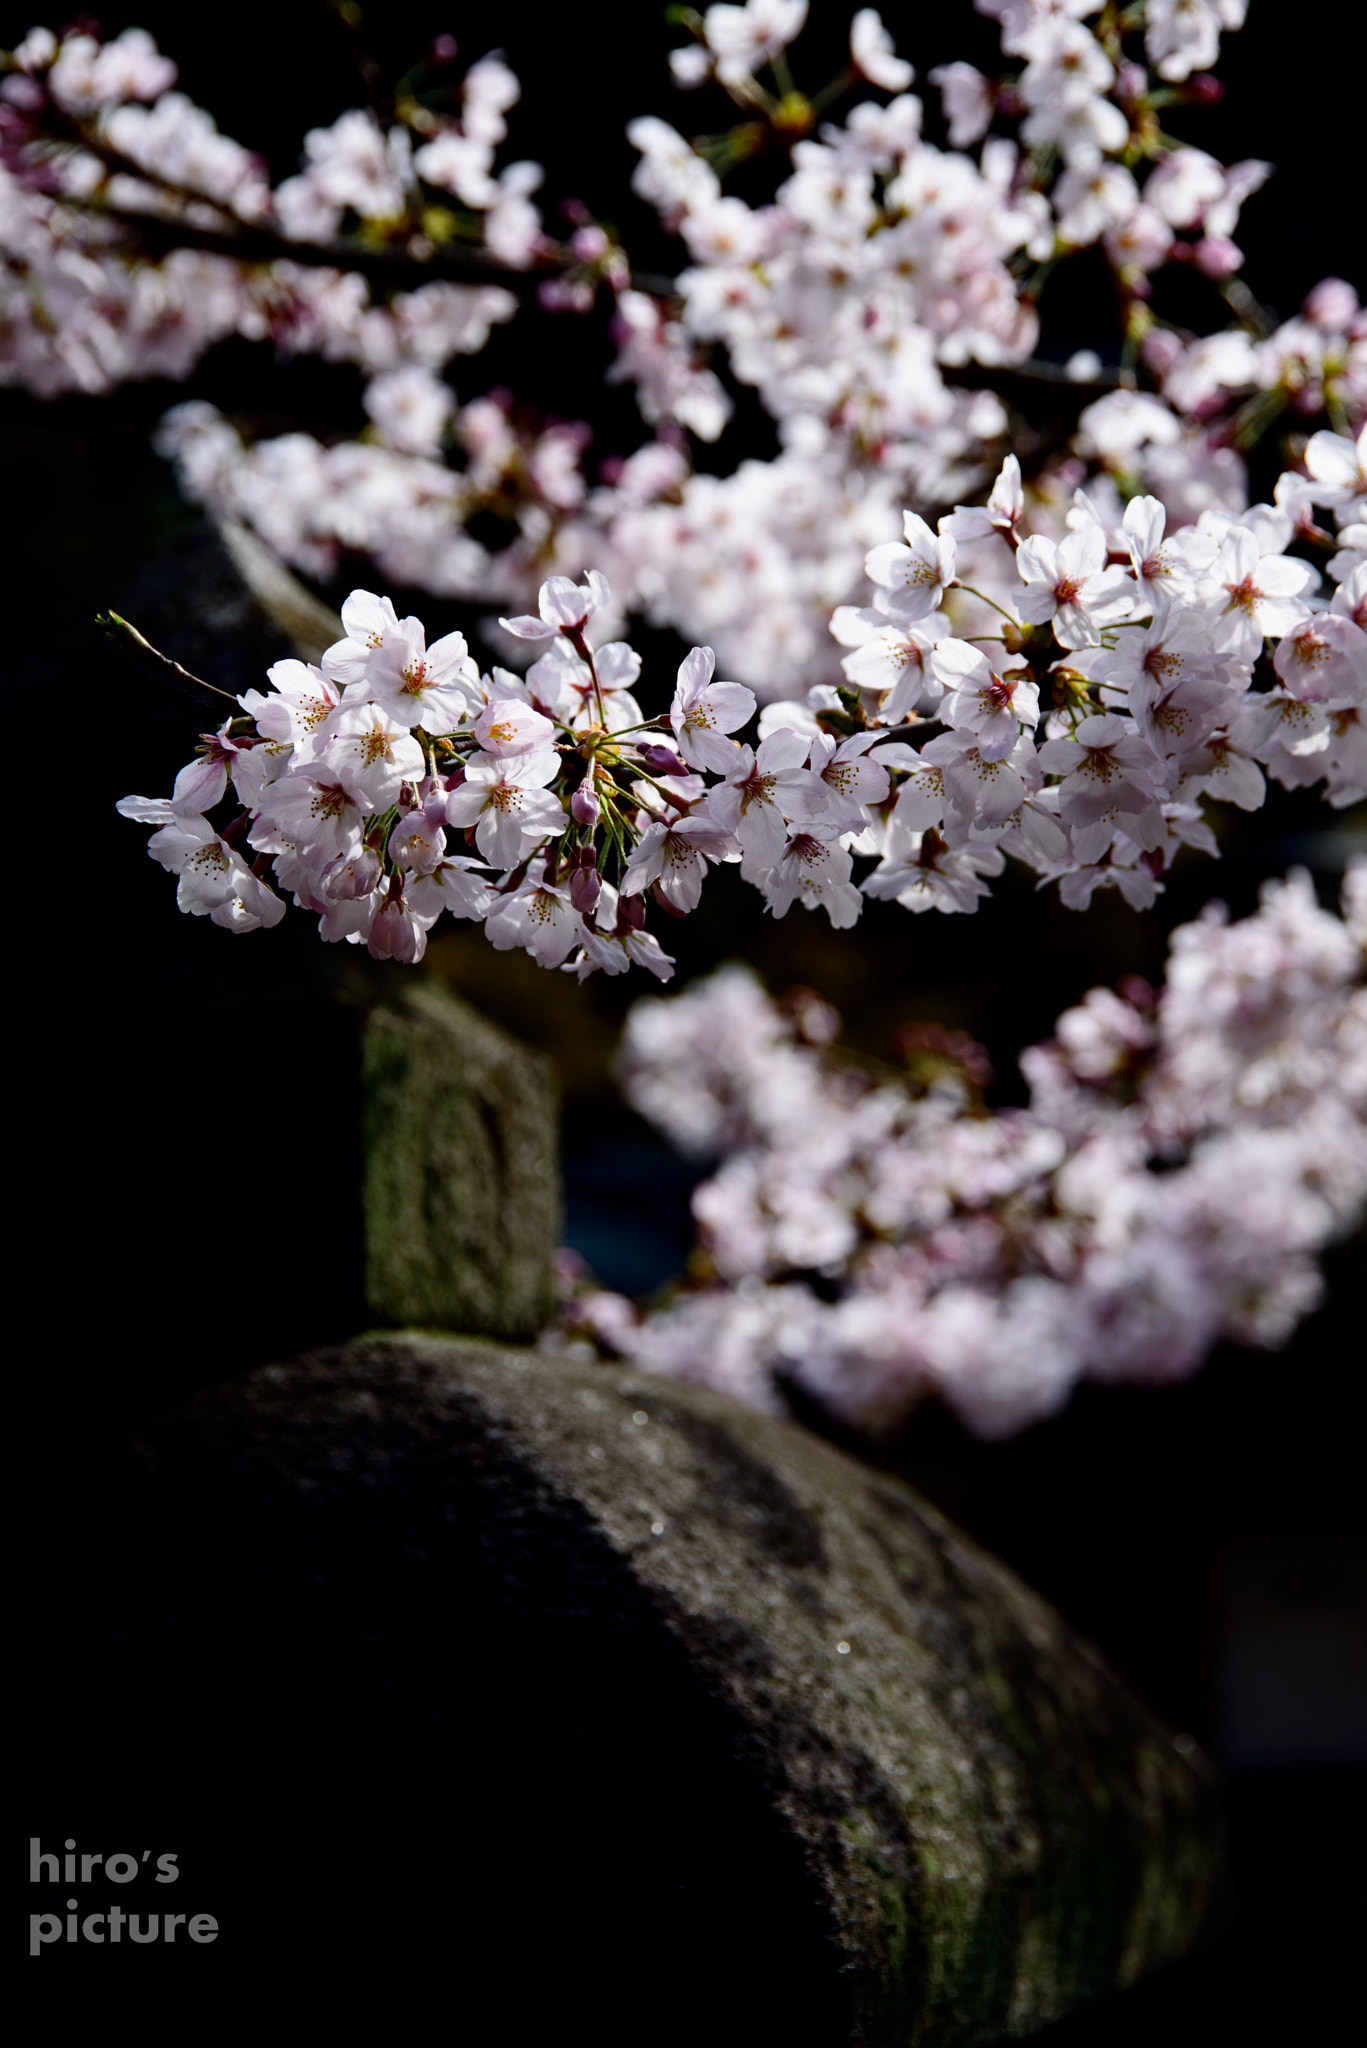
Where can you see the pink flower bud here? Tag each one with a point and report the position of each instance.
(352, 875)
(395, 935)
(662, 760)
(584, 804)
(1333, 303)
(1216, 256)
(1161, 350)
(586, 886)
(588, 244)
(564, 295)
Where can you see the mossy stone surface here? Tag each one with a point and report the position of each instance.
(946, 1820)
(461, 1178)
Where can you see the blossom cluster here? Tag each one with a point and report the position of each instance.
(1106, 687)
(1122, 697)
(1081, 740)
(122, 206)
(1186, 1154)
(866, 304)
(350, 775)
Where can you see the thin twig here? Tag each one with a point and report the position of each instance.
(120, 629)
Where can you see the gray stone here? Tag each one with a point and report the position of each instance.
(960, 1822)
(291, 608)
(461, 1187)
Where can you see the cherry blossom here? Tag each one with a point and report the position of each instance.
(1185, 1156)
(506, 802)
(373, 750)
(415, 683)
(912, 579)
(1256, 593)
(1068, 584)
(980, 701)
(704, 711)
(1068, 665)
(763, 792)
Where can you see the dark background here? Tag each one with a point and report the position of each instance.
(176, 1140)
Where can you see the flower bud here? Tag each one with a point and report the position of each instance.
(586, 886)
(1217, 256)
(1332, 303)
(1161, 351)
(396, 935)
(584, 804)
(588, 244)
(351, 875)
(662, 760)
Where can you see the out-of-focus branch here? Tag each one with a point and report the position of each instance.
(1032, 379)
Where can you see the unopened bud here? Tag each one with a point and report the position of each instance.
(663, 760)
(631, 914)
(1217, 256)
(1161, 351)
(564, 295)
(586, 886)
(351, 875)
(584, 804)
(588, 244)
(1332, 303)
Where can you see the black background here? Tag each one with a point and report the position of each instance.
(175, 1139)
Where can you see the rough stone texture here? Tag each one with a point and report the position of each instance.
(597, 1619)
(461, 1192)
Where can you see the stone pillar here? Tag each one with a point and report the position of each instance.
(461, 1187)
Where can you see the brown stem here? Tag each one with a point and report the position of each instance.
(119, 628)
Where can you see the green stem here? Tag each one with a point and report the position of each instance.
(984, 599)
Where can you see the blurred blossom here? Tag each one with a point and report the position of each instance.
(1186, 1154)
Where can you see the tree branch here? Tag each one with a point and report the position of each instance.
(120, 629)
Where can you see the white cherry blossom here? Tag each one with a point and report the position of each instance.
(1069, 585)
(421, 685)
(1254, 593)
(507, 804)
(704, 711)
(992, 706)
(911, 579)
(376, 753)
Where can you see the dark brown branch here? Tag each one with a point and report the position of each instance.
(1033, 379)
(390, 266)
